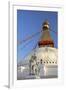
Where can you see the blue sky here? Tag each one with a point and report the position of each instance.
(30, 22)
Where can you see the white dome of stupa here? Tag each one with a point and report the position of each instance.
(48, 55)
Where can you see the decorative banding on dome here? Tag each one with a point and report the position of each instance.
(46, 42)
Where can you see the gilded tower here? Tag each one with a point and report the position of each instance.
(46, 39)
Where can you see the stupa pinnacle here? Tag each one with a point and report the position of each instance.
(46, 39)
